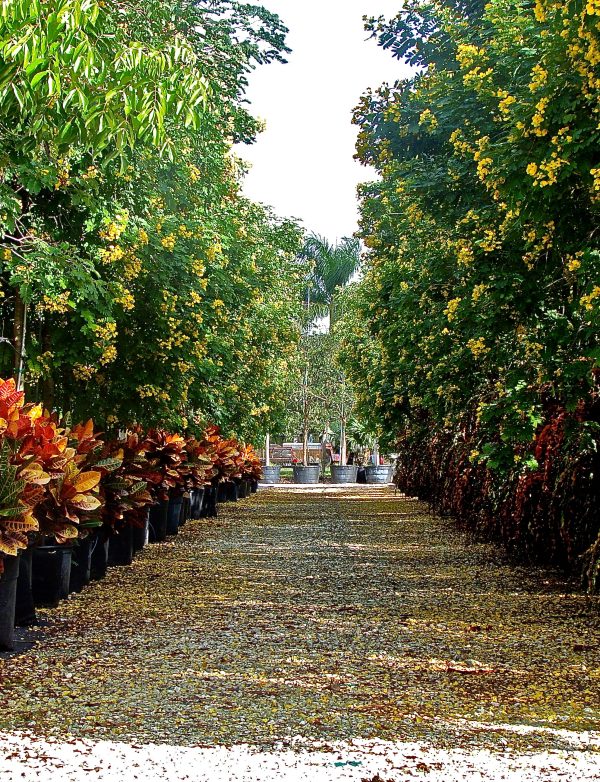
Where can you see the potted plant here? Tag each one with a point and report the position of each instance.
(270, 473)
(16, 522)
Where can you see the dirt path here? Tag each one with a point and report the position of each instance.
(324, 614)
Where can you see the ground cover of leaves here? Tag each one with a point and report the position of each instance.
(329, 614)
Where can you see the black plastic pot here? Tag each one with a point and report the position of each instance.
(140, 534)
(253, 486)
(158, 522)
(81, 562)
(8, 594)
(196, 503)
(222, 492)
(24, 605)
(50, 574)
(186, 512)
(174, 515)
(244, 489)
(99, 563)
(209, 503)
(120, 547)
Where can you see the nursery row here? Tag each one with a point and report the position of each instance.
(75, 501)
(472, 339)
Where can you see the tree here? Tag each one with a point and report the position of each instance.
(331, 269)
(478, 313)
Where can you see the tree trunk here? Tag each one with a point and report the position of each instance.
(343, 441)
(48, 381)
(19, 334)
(305, 412)
(343, 423)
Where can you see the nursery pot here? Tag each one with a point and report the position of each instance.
(50, 574)
(8, 594)
(222, 492)
(120, 547)
(254, 486)
(209, 503)
(158, 522)
(81, 562)
(173, 515)
(99, 562)
(140, 534)
(186, 512)
(306, 474)
(271, 473)
(343, 473)
(378, 473)
(196, 503)
(24, 606)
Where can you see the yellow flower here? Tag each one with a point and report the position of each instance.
(168, 242)
(532, 169)
(451, 308)
(478, 347)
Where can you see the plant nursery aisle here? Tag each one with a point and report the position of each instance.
(319, 633)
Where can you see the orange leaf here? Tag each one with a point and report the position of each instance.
(87, 480)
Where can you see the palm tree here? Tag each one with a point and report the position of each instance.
(332, 268)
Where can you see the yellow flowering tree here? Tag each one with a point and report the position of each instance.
(480, 308)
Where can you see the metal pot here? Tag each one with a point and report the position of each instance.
(306, 474)
(271, 473)
(378, 473)
(343, 473)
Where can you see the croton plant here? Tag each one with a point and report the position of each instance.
(59, 481)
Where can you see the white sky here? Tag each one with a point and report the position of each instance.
(303, 165)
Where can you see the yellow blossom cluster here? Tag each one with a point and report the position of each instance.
(114, 229)
(428, 120)
(478, 347)
(83, 371)
(125, 299)
(587, 301)
(464, 254)
(194, 173)
(539, 77)
(63, 173)
(90, 173)
(152, 392)
(55, 304)
(506, 101)
(451, 308)
(478, 291)
(169, 242)
(539, 118)
(573, 262)
(546, 173)
(111, 254)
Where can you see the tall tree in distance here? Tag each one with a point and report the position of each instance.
(332, 267)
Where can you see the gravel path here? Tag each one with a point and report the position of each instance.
(351, 618)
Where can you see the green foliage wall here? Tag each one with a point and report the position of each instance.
(155, 291)
(479, 313)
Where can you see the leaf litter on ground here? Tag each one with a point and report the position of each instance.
(324, 614)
